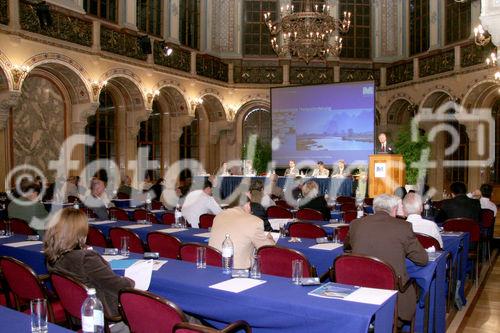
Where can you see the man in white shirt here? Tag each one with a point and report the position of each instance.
(484, 195)
(412, 206)
(199, 202)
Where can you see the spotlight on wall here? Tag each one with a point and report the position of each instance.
(167, 50)
(43, 13)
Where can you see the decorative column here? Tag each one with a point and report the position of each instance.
(127, 16)
(434, 24)
(174, 21)
(14, 16)
(8, 100)
(79, 115)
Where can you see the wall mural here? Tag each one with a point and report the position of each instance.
(39, 124)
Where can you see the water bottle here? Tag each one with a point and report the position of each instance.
(76, 205)
(360, 213)
(427, 208)
(148, 202)
(178, 215)
(92, 314)
(227, 255)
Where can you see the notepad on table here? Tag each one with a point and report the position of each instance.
(326, 246)
(370, 296)
(101, 222)
(205, 234)
(333, 290)
(237, 285)
(141, 273)
(335, 225)
(109, 258)
(25, 243)
(171, 230)
(137, 226)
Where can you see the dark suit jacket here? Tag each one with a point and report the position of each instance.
(319, 203)
(459, 206)
(93, 271)
(259, 211)
(391, 240)
(389, 149)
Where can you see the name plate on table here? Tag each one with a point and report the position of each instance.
(237, 285)
(326, 246)
(137, 226)
(172, 230)
(22, 244)
(205, 235)
(101, 222)
(335, 225)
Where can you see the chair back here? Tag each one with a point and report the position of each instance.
(119, 213)
(95, 237)
(71, 292)
(21, 279)
(342, 232)
(21, 227)
(364, 271)
(283, 204)
(134, 242)
(437, 204)
(142, 214)
(368, 201)
(168, 218)
(276, 260)
(487, 218)
(156, 205)
(206, 221)
(306, 230)
(428, 241)
(350, 215)
(348, 206)
(344, 199)
(277, 212)
(166, 245)
(145, 312)
(73, 199)
(309, 214)
(188, 253)
(464, 225)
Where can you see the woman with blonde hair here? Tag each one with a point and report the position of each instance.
(67, 254)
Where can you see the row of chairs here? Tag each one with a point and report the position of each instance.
(142, 311)
(308, 214)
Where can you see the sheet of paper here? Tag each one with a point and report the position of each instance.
(157, 264)
(276, 223)
(205, 235)
(335, 225)
(276, 236)
(326, 246)
(117, 265)
(172, 230)
(101, 222)
(158, 211)
(25, 243)
(137, 226)
(237, 285)
(141, 273)
(370, 296)
(109, 258)
(452, 233)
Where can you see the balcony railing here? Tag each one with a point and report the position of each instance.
(180, 58)
(122, 43)
(211, 67)
(258, 74)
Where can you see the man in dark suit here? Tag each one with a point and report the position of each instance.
(384, 147)
(392, 240)
(460, 205)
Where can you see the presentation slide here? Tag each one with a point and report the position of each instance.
(323, 123)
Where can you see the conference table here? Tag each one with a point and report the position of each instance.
(276, 305)
(15, 321)
(226, 185)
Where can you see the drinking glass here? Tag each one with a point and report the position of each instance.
(297, 271)
(255, 269)
(124, 246)
(8, 228)
(39, 315)
(282, 230)
(201, 257)
(335, 236)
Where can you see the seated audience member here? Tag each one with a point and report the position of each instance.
(199, 202)
(413, 206)
(66, 252)
(400, 192)
(246, 232)
(320, 171)
(459, 205)
(157, 189)
(70, 189)
(297, 188)
(27, 207)
(257, 194)
(340, 170)
(126, 186)
(392, 240)
(224, 170)
(292, 170)
(313, 200)
(484, 195)
(98, 199)
(272, 189)
(248, 169)
(147, 182)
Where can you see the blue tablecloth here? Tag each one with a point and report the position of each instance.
(15, 321)
(458, 246)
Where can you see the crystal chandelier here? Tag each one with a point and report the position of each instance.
(481, 36)
(309, 33)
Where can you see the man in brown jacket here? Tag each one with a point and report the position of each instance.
(392, 240)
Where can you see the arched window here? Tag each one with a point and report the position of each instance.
(102, 127)
(105, 9)
(456, 173)
(149, 15)
(189, 146)
(257, 121)
(256, 37)
(356, 43)
(419, 26)
(150, 135)
(189, 23)
(458, 16)
(495, 173)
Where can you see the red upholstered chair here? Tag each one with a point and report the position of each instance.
(437, 204)
(155, 204)
(472, 227)
(89, 212)
(26, 286)
(21, 227)
(277, 212)
(342, 232)
(145, 312)
(206, 221)
(142, 214)
(95, 237)
(188, 253)
(283, 204)
(348, 206)
(428, 241)
(237, 326)
(306, 230)
(168, 218)
(166, 245)
(343, 199)
(134, 243)
(73, 199)
(276, 260)
(368, 201)
(487, 223)
(118, 213)
(309, 214)
(350, 215)
(122, 196)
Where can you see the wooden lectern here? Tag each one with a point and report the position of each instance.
(386, 172)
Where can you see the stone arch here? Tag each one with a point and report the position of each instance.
(434, 99)
(129, 84)
(213, 108)
(481, 95)
(400, 112)
(6, 75)
(240, 117)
